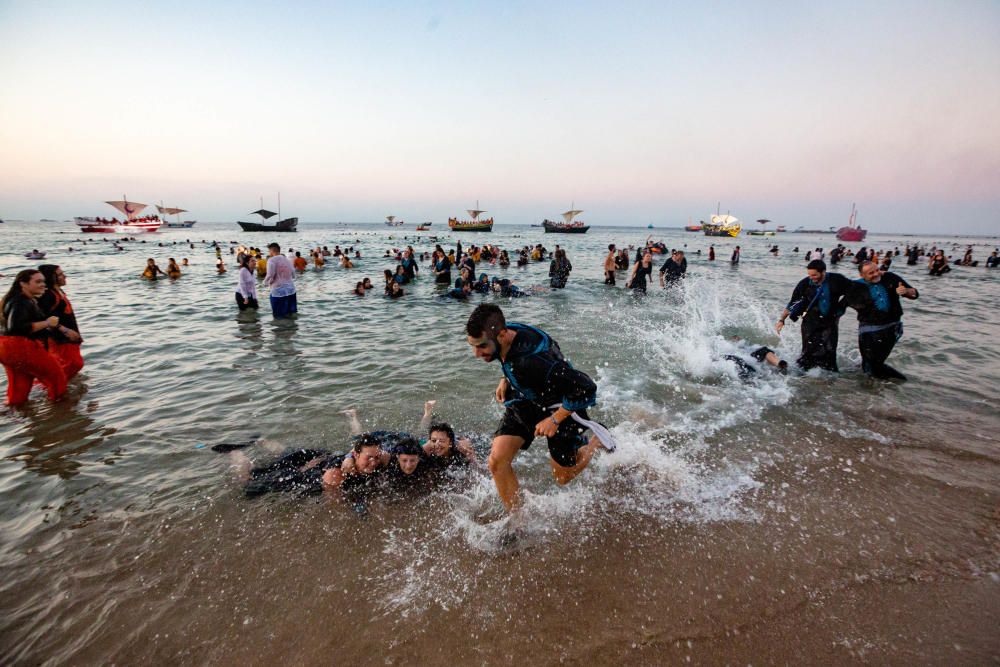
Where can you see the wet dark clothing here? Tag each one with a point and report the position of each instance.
(912, 256)
(410, 268)
(745, 370)
(880, 326)
(642, 274)
(559, 271)
(735, 258)
(992, 262)
(53, 303)
(285, 474)
(443, 264)
(539, 377)
(820, 307)
(673, 271)
(19, 313)
(939, 266)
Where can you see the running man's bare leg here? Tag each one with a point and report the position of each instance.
(565, 475)
(500, 462)
(352, 421)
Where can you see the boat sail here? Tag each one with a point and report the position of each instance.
(853, 231)
(473, 224)
(567, 227)
(390, 221)
(723, 225)
(132, 222)
(166, 210)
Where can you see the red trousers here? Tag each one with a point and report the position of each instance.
(69, 357)
(26, 360)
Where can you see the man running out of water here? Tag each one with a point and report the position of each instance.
(819, 299)
(544, 396)
(880, 317)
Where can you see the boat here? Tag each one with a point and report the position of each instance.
(178, 223)
(286, 225)
(649, 226)
(35, 254)
(567, 227)
(424, 226)
(47, 220)
(780, 229)
(761, 232)
(692, 228)
(132, 222)
(474, 224)
(803, 230)
(853, 232)
(390, 221)
(722, 225)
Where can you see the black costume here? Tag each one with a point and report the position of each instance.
(539, 378)
(673, 271)
(880, 323)
(820, 307)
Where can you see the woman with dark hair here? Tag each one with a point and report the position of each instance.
(559, 270)
(64, 341)
(246, 293)
(23, 331)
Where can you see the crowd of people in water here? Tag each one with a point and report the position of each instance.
(542, 393)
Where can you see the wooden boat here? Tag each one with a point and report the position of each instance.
(567, 227)
(473, 224)
(853, 231)
(286, 225)
(133, 222)
(177, 223)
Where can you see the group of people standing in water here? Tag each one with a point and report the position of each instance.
(39, 335)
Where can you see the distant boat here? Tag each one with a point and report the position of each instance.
(722, 225)
(286, 225)
(178, 223)
(474, 224)
(567, 227)
(424, 226)
(803, 230)
(761, 232)
(390, 221)
(692, 228)
(47, 220)
(132, 222)
(649, 226)
(853, 231)
(780, 229)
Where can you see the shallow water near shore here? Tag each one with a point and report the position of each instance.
(803, 517)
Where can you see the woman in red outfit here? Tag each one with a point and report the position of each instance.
(65, 346)
(23, 332)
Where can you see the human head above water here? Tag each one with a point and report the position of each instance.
(484, 327)
(816, 270)
(29, 282)
(54, 277)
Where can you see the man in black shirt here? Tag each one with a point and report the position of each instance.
(819, 299)
(673, 269)
(544, 395)
(876, 298)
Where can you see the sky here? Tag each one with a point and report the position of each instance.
(635, 112)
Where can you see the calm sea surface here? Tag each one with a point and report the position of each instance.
(803, 518)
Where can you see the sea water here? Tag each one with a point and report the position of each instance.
(731, 515)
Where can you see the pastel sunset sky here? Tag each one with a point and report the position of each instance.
(637, 112)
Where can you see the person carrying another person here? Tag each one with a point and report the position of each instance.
(543, 395)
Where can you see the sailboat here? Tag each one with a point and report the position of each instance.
(132, 222)
(853, 231)
(474, 224)
(390, 221)
(286, 225)
(177, 224)
(567, 227)
(722, 225)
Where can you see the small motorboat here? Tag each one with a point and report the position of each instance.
(35, 254)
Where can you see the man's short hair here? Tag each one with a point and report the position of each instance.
(485, 319)
(274, 246)
(611, 246)
(817, 265)
(407, 446)
(862, 265)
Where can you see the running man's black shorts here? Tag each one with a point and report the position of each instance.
(521, 418)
